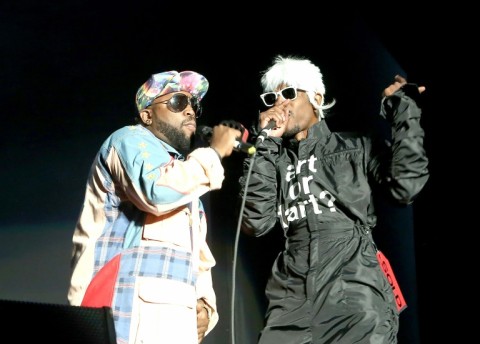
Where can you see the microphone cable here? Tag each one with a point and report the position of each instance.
(235, 249)
(264, 133)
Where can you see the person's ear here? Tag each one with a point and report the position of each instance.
(318, 98)
(146, 116)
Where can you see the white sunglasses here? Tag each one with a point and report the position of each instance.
(289, 92)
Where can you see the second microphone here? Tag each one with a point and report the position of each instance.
(206, 133)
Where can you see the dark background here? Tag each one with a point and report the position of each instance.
(69, 73)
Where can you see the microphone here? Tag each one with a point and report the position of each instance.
(266, 131)
(206, 133)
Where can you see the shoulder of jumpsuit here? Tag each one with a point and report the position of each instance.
(319, 132)
(320, 135)
(338, 141)
(135, 145)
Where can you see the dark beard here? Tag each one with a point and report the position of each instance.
(176, 138)
(292, 132)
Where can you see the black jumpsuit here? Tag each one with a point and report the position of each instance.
(326, 286)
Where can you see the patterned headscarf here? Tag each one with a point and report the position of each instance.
(168, 82)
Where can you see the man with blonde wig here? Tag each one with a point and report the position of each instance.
(329, 284)
(299, 74)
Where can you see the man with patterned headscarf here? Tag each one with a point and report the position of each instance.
(139, 245)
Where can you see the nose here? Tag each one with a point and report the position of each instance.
(279, 95)
(189, 111)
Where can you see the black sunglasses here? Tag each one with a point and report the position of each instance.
(179, 102)
(289, 92)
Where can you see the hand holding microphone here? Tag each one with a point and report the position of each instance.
(265, 132)
(273, 121)
(226, 137)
